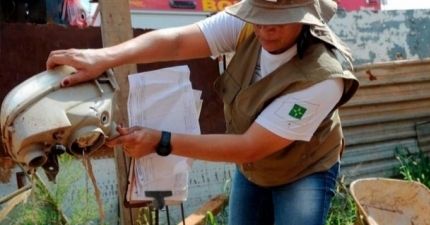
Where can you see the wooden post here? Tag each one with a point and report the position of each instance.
(198, 217)
(116, 28)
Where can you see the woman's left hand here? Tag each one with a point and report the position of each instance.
(136, 141)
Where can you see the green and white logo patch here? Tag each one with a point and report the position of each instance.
(297, 111)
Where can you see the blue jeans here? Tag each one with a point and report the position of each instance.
(303, 202)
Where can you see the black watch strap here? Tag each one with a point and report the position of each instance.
(163, 147)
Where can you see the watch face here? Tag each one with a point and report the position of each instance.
(163, 150)
(163, 147)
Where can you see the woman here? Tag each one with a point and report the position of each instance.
(281, 93)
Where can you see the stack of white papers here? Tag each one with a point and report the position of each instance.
(163, 100)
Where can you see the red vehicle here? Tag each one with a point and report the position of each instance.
(355, 5)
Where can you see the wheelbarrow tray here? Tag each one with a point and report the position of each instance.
(382, 201)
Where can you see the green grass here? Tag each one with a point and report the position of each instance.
(343, 208)
(414, 166)
(145, 216)
(74, 200)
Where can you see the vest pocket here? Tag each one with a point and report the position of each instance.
(226, 87)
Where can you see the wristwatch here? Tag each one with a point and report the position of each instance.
(164, 148)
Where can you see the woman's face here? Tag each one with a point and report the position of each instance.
(277, 39)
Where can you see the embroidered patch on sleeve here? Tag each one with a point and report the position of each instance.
(297, 113)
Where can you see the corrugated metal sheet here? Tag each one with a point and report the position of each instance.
(391, 109)
(423, 133)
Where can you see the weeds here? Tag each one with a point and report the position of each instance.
(145, 216)
(222, 217)
(414, 166)
(343, 208)
(41, 207)
(210, 219)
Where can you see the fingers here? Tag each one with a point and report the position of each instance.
(82, 60)
(121, 140)
(75, 78)
(59, 57)
(51, 63)
(73, 58)
(128, 136)
(66, 57)
(124, 131)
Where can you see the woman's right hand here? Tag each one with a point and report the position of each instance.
(136, 141)
(89, 64)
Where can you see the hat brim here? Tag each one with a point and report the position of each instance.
(269, 16)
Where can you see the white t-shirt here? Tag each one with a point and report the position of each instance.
(294, 116)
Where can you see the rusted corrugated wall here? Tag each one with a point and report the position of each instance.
(390, 110)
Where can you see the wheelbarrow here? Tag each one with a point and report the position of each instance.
(382, 201)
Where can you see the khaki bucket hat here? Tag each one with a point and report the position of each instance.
(316, 13)
(275, 12)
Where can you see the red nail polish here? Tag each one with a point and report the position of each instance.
(66, 82)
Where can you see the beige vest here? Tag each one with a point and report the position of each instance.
(243, 103)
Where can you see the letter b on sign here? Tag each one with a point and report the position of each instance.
(212, 5)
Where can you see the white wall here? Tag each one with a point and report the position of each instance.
(164, 19)
(383, 36)
(404, 4)
(152, 19)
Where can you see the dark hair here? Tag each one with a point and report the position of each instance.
(303, 41)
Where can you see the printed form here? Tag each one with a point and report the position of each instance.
(163, 100)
